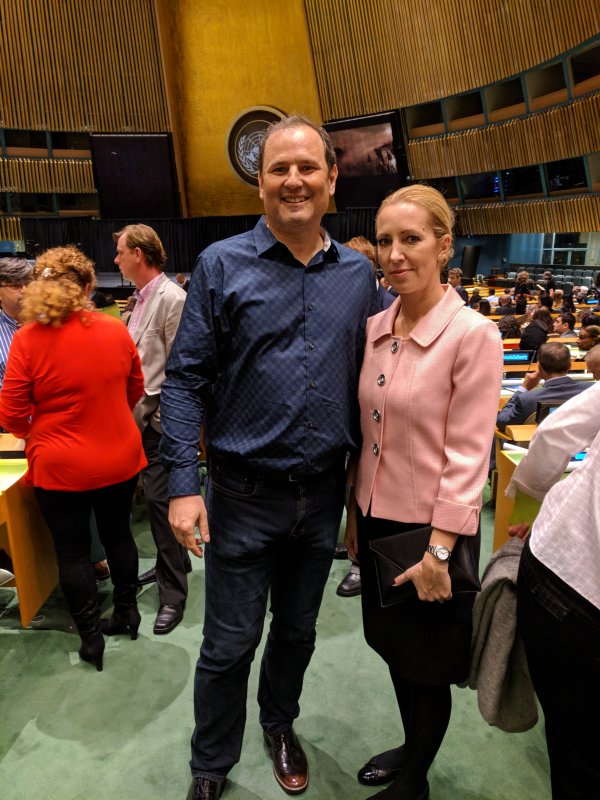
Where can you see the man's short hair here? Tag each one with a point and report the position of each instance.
(590, 319)
(505, 300)
(567, 319)
(297, 121)
(455, 271)
(593, 355)
(15, 271)
(146, 238)
(554, 358)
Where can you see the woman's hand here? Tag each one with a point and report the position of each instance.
(351, 536)
(430, 578)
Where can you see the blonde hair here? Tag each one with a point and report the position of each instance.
(62, 277)
(440, 214)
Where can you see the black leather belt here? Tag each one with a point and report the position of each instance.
(243, 469)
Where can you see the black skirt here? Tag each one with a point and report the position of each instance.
(425, 642)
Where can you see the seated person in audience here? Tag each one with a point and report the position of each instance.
(15, 274)
(558, 299)
(564, 325)
(509, 327)
(105, 303)
(485, 307)
(364, 246)
(536, 332)
(594, 290)
(592, 359)
(554, 361)
(492, 297)
(589, 336)
(545, 301)
(523, 286)
(520, 305)
(505, 305)
(454, 279)
(569, 304)
(589, 318)
(475, 299)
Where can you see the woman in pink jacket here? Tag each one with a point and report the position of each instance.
(428, 392)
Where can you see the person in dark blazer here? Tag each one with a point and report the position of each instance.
(152, 325)
(554, 361)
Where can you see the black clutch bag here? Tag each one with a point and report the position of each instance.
(395, 554)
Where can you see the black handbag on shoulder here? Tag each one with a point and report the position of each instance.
(395, 554)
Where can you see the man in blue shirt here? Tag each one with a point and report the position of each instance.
(15, 274)
(267, 357)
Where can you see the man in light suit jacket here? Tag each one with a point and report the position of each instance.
(153, 324)
(554, 361)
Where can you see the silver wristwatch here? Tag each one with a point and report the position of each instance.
(439, 551)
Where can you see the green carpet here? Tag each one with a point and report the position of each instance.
(71, 733)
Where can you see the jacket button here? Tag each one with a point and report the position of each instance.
(381, 379)
(375, 449)
(394, 347)
(376, 415)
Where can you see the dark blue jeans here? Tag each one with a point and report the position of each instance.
(561, 633)
(266, 535)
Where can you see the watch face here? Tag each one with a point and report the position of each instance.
(442, 553)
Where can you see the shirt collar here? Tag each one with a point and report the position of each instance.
(9, 320)
(147, 291)
(265, 240)
(428, 328)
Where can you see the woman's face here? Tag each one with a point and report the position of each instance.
(409, 253)
(584, 340)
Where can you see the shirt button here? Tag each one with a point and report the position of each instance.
(394, 347)
(375, 449)
(311, 346)
(381, 379)
(310, 307)
(311, 424)
(312, 384)
(376, 415)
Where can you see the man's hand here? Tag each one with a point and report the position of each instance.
(430, 578)
(185, 515)
(531, 380)
(521, 530)
(351, 535)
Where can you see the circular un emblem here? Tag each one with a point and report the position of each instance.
(244, 140)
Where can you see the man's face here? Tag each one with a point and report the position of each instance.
(127, 260)
(453, 279)
(10, 299)
(295, 183)
(560, 326)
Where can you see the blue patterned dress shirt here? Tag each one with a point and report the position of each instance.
(8, 326)
(267, 355)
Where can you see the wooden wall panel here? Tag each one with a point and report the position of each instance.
(376, 55)
(72, 65)
(565, 131)
(581, 213)
(10, 229)
(46, 175)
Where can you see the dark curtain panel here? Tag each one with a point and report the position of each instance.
(183, 239)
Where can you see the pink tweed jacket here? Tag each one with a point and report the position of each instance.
(428, 409)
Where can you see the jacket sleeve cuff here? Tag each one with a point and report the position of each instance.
(184, 481)
(455, 517)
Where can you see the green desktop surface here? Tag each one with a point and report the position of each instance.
(11, 469)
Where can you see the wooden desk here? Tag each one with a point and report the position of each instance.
(26, 539)
(576, 366)
(506, 463)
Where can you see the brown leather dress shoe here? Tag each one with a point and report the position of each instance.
(290, 766)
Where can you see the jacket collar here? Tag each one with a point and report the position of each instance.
(427, 329)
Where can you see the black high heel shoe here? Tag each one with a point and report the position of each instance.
(92, 650)
(122, 619)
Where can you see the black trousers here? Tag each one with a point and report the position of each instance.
(67, 515)
(561, 633)
(172, 560)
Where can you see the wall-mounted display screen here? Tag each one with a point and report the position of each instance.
(371, 159)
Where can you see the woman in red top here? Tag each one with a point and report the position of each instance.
(71, 380)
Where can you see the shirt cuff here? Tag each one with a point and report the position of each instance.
(184, 481)
(521, 389)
